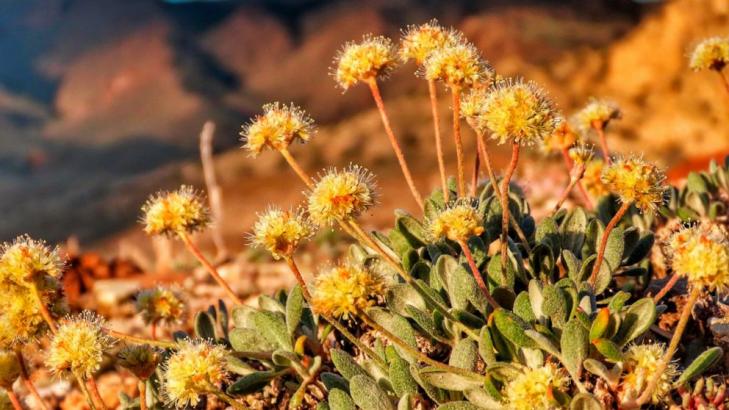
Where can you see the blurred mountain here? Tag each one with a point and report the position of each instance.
(101, 101)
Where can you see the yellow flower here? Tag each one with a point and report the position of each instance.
(639, 367)
(9, 369)
(78, 346)
(281, 232)
(596, 114)
(457, 222)
(637, 181)
(533, 389)
(701, 254)
(581, 154)
(24, 259)
(141, 360)
(458, 64)
(592, 180)
(345, 289)
(473, 108)
(710, 54)
(197, 368)
(161, 305)
(176, 212)
(519, 111)
(563, 137)
(419, 41)
(20, 316)
(371, 58)
(278, 127)
(341, 195)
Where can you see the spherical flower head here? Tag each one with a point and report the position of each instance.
(141, 360)
(277, 128)
(341, 194)
(563, 138)
(592, 179)
(281, 232)
(596, 114)
(639, 366)
(419, 41)
(458, 64)
(345, 289)
(519, 111)
(9, 369)
(532, 389)
(473, 108)
(176, 212)
(636, 181)
(581, 154)
(161, 305)
(701, 254)
(458, 222)
(78, 346)
(192, 371)
(371, 58)
(25, 260)
(710, 54)
(21, 320)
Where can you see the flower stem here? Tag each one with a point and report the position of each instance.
(297, 167)
(85, 391)
(486, 160)
(25, 377)
(583, 192)
(575, 177)
(44, 310)
(456, 102)
(413, 351)
(599, 127)
(14, 400)
(603, 241)
(474, 176)
(375, 90)
(666, 288)
(95, 393)
(672, 347)
(724, 79)
(332, 321)
(505, 204)
(209, 267)
(142, 394)
(153, 330)
(438, 142)
(140, 340)
(477, 275)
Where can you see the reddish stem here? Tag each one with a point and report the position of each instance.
(209, 267)
(25, 377)
(153, 330)
(666, 288)
(583, 192)
(438, 142)
(95, 393)
(603, 241)
(477, 275)
(600, 129)
(456, 101)
(505, 204)
(14, 400)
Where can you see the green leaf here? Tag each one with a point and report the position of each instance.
(401, 295)
(435, 394)
(464, 354)
(547, 233)
(398, 242)
(340, 400)
(638, 319)
(448, 381)
(463, 288)
(272, 327)
(458, 405)
(401, 379)
(251, 383)
(204, 326)
(523, 307)
(609, 349)
(600, 324)
(482, 399)
(544, 342)
(512, 327)
(556, 304)
(486, 346)
(368, 395)
(573, 229)
(700, 364)
(294, 309)
(334, 381)
(397, 325)
(695, 182)
(405, 403)
(574, 345)
(412, 230)
(249, 340)
(243, 316)
(424, 321)
(585, 401)
(641, 250)
(345, 364)
(614, 249)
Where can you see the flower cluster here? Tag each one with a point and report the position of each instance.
(563, 137)
(281, 232)
(457, 222)
(277, 128)
(142, 360)
(636, 181)
(345, 289)
(533, 388)
(176, 212)
(701, 254)
(371, 58)
(161, 305)
(78, 346)
(195, 369)
(596, 114)
(710, 54)
(418, 42)
(341, 195)
(457, 64)
(640, 364)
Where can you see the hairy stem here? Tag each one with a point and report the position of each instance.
(209, 267)
(142, 394)
(438, 142)
(413, 351)
(603, 241)
(25, 377)
(82, 386)
(456, 102)
(95, 393)
(14, 400)
(575, 177)
(477, 275)
(672, 347)
(297, 167)
(583, 192)
(44, 310)
(140, 340)
(666, 288)
(474, 176)
(332, 321)
(599, 128)
(375, 89)
(505, 204)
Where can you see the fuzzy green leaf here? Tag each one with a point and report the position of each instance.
(523, 307)
(272, 327)
(340, 400)
(204, 326)
(638, 318)
(458, 405)
(345, 364)
(464, 354)
(401, 379)
(448, 381)
(574, 345)
(401, 295)
(556, 304)
(573, 230)
(412, 230)
(334, 381)
(513, 327)
(585, 401)
(368, 395)
(609, 349)
(251, 382)
(600, 324)
(294, 309)
(249, 340)
(700, 364)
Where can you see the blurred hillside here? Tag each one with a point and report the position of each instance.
(101, 101)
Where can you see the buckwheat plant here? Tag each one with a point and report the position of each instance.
(610, 299)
